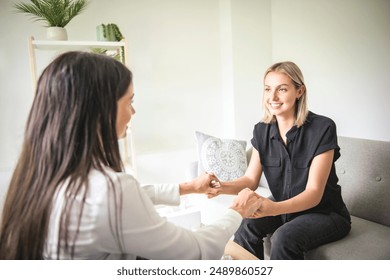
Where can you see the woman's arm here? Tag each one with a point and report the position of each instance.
(144, 233)
(200, 184)
(250, 179)
(310, 197)
(169, 194)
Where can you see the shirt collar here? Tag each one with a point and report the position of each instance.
(274, 130)
(290, 134)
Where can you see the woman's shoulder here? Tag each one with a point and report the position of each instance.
(100, 180)
(319, 120)
(108, 173)
(262, 126)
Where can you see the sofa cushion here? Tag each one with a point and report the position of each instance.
(366, 241)
(364, 176)
(226, 158)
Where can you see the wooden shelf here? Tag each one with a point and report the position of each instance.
(75, 45)
(62, 46)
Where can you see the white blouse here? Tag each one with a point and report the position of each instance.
(142, 231)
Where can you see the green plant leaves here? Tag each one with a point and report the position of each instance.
(53, 12)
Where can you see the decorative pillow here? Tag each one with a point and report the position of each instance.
(226, 158)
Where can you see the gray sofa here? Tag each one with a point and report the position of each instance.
(364, 175)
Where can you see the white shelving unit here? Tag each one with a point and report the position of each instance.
(62, 46)
(126, 145)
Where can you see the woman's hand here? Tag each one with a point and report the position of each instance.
(247, 202)
(208, 184)
(215, 187)
(201, 184)
(250, 179)
(267, 208)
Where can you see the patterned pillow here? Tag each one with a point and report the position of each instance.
(226, 158)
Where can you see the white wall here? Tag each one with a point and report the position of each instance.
(252, 54)
(343, 49)
(198, 65)
(175, 53)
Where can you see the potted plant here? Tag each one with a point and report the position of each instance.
(109, 32)
(56, 13)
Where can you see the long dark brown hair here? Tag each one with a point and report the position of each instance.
(71, 129)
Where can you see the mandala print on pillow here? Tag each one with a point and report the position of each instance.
(226, 158)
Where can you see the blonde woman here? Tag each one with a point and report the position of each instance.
(296, 150)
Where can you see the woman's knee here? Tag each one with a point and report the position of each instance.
(279, 237)
(285, 245)
(283, 238)
(250, 230)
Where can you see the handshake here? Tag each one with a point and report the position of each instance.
(247, 202)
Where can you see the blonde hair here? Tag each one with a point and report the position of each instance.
(292, 70)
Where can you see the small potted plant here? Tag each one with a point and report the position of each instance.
(109, 32)
(55, 13)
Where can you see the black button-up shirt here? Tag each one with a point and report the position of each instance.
(286, 167)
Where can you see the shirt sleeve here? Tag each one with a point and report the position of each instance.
(144, 233)
(167, 194)
(254, 140)
(328, 141)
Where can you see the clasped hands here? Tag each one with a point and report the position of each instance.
(247, 202)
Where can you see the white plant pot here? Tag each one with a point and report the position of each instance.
(56, 33)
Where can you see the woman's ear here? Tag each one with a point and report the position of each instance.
(301, 91)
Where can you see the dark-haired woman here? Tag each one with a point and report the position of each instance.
(69, 197)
